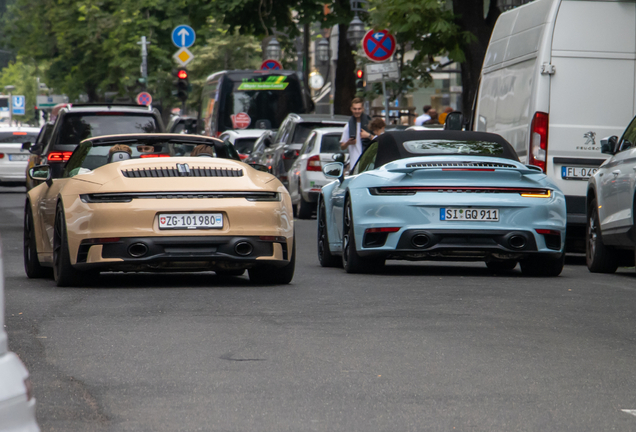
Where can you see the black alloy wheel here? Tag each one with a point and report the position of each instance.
(541, 265)
(599, 258)
(305, 209)
(265, 274)
(351, 261)
(64, 273)
(326, 258)
(32, 266)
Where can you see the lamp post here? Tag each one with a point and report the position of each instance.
(273, 50)
(322, 51)
(355, 32)
(10, 88)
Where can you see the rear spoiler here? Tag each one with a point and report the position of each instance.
(453, 166)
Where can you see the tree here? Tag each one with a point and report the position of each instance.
(23, 76)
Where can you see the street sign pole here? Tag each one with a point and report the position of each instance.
(386, 101)
(144, 60)
(10, 108)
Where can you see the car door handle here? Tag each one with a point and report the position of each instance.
(616, 172)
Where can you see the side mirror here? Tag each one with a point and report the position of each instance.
(26, 145)
(608, 145)
(334, 170)
(454, 121)
(41, 173)
(259, 167)
(339, 157)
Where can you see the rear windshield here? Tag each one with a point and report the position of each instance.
(244, 145)
(17, 137)
(303, 130)
(330, 144)
(443, 147)
(78, 127)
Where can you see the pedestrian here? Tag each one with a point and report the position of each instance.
(434, 118)
(377, 127)
(442, 116)
(356, 135)
(424, 117)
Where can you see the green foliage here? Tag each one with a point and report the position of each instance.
(23, 76)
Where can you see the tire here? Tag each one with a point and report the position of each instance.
(326, 258)
(295, 210)
(272, 275)
(501, 266)
(305, 209)
(229, 273)
(598, 257)
(64, 273)
(32, 266)
(351, 261)
(542, 265)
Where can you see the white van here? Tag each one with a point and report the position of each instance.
(558, 76)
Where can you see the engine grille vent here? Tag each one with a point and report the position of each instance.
(182, 170)
(459, 165)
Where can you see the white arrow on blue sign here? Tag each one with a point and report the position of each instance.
(183, 36)
(18, 103)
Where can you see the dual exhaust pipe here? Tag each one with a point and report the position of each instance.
(138, 250)
(514, 241)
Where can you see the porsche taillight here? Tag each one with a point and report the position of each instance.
(145, 156)
(539, 140)
(313, 163)
(59, 156)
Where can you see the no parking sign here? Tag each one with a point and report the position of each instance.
(378, 45)
(144, 98)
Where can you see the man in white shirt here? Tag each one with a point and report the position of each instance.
(424, 117)
(355, 144)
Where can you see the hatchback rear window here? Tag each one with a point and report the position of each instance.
(330, 144)
(244, 145)
(303, 130)
(17, 137)
(78, 127)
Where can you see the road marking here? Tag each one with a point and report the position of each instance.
(632, 412)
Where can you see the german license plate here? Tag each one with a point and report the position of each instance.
(18, 157)
(577, 173)
(469, 214)
(190, 220)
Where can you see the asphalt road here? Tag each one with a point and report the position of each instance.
(419, 347)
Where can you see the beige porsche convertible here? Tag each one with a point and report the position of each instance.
(158, 202)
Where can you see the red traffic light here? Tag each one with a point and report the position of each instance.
(359, 73)
(182, 74)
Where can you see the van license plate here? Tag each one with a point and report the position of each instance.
(469, 214)
(577, 173)
(18, 157)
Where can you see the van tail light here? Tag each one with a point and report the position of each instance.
(313, 163)
(62, 156)
(1, 155)
(539, 140)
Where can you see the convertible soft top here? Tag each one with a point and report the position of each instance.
(391, 144)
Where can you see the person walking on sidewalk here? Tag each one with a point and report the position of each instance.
(356, 135)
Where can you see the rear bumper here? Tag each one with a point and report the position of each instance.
(182, 253)
(577, 213)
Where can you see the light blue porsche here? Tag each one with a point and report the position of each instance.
(441, 195)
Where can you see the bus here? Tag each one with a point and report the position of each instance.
(243, 99)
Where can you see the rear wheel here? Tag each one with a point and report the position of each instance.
(599, 258)
(32, 266)
(305, 208)
(351, 261)
(326, 258)
(501, 265)
(542, 265)
(63, 271)
(272, 275)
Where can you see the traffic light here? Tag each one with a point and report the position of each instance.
(359, 80)
(182, 84)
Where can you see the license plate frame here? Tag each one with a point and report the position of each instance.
(190, 221)
(454, 214)
(577, 172)
(18, 157)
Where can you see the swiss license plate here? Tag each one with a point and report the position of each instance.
(190, 220)
(469, 214)
(577, 173)
(18, 157)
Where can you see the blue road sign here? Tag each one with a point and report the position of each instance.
(18, 105)
(379, 46)
(183, 36)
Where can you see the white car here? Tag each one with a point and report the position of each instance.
(305, 175)
(17, 405)
(13, 159)
(243, 140)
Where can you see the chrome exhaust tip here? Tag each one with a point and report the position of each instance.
(420, 240)
(517, 242)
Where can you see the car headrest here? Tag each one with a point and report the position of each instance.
(205, 155)
(118, 156)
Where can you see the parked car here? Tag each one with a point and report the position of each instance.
(35, 148)
(77, 122)
(17, 404)
(611, 205)
(243, 140)
(532, 90)
(290, 138)
(441, 195)
(13, 159)
(263, 142)
(305, 176)
(182, 125)
(158, 202)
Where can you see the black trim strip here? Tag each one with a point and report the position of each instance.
(578, 161)
(129, 196)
